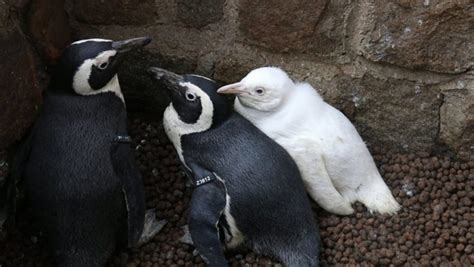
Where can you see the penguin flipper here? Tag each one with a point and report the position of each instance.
(133, 191)
(8, 187)
(208, 202)
(317, 180)
(151, 226)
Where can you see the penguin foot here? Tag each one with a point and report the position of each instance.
(378, 198)
(151, 227)
(186, 237)
(387, 205)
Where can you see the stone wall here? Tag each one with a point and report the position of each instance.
(401, 70)
(20, 95)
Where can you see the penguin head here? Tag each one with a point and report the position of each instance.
(195, 105)
(263, 89)
(90, 66)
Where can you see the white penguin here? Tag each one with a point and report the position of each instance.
(335, 164)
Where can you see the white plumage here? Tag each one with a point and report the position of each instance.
(335, 164)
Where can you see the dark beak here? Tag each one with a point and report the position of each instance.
(130, 44)
(170, 79)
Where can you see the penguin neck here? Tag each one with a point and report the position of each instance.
(175, 128)
(274, 123)
(257, 117)
(62, 86)
(112, 86)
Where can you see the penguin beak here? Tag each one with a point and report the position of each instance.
(130, 44)
(170, 79)
(235, 89)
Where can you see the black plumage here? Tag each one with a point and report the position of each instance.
(267, 197)
(78, 166)
(206, 207)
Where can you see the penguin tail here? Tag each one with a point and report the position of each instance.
(303, 252)
(299, 261)
(377, 197)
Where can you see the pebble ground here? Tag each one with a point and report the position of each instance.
(434, 228)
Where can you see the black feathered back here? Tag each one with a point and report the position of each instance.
(81, 183)
(267, 196)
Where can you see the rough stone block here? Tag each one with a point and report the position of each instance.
(21, 93)
(200, 13)
(457, 117)
(142, 93)
(433, 35)
(115, 12)
(49, 26)
(302, 25)
(399, 114)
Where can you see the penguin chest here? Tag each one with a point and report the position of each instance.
(171, 126)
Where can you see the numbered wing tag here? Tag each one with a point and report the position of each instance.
(204, 180)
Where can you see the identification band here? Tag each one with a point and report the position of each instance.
(123, 139)
(204, 180)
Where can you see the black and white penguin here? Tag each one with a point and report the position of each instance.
(77, 163)
(266, 207)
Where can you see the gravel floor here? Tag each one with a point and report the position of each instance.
(435, 225)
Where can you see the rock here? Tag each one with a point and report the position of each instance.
(3, 14)
(337, 46)
(199, 13)
(206, 64)
(233, 67)
(21, 92)
(432, 35)
(49, 26)
(457, 117)
(115, 12)
(141, 92)
(283, 26)
(17, 3)
(380, 105)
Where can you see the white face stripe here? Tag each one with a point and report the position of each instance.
(81, 84)
(112, 86)
(104, 56)
(175, 127)
(91, 40)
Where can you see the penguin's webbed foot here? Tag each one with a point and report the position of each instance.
(186, 237)
(151, 227)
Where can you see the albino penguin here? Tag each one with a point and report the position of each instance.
(334, 162)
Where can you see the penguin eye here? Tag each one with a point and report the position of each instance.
(190, 96)
(259, 91)
(104, 65)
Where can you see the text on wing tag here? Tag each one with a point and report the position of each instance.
(202, 181)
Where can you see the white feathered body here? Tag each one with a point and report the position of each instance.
(333, 159)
